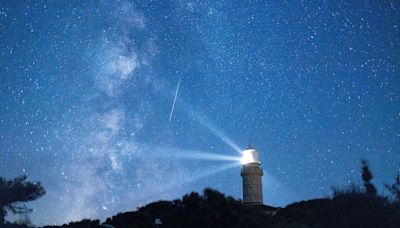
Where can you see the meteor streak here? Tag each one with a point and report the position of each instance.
(173, 104)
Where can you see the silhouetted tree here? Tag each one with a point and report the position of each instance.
(349, 207)
(366, 175)
(14, 193)
(394, 189)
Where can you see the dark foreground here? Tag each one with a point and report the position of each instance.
(350, 208)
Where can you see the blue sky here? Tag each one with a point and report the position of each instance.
(87, 88)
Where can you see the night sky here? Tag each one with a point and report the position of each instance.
(87, 89)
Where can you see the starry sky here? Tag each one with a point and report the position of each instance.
(87, 89)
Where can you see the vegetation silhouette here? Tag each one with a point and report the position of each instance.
(14, 193)
(351, 206)
(348, 207)
(394, 189)
(367, 176)
(212, 209)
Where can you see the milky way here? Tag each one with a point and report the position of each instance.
(87, 87)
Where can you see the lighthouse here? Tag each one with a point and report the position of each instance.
(252, 177)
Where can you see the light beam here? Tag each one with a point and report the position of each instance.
(214, 129)
(181, 154)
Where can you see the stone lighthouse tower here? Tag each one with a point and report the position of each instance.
(252, 177)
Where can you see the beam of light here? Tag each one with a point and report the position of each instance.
(201, 174)
(155, 192)
(173, 104)
(210, 172)
(207, 156)
(218, 132)
(214, 129)
(207, 124)
(195, 155)
(158, 152)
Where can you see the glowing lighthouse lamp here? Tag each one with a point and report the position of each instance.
(252, 177)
